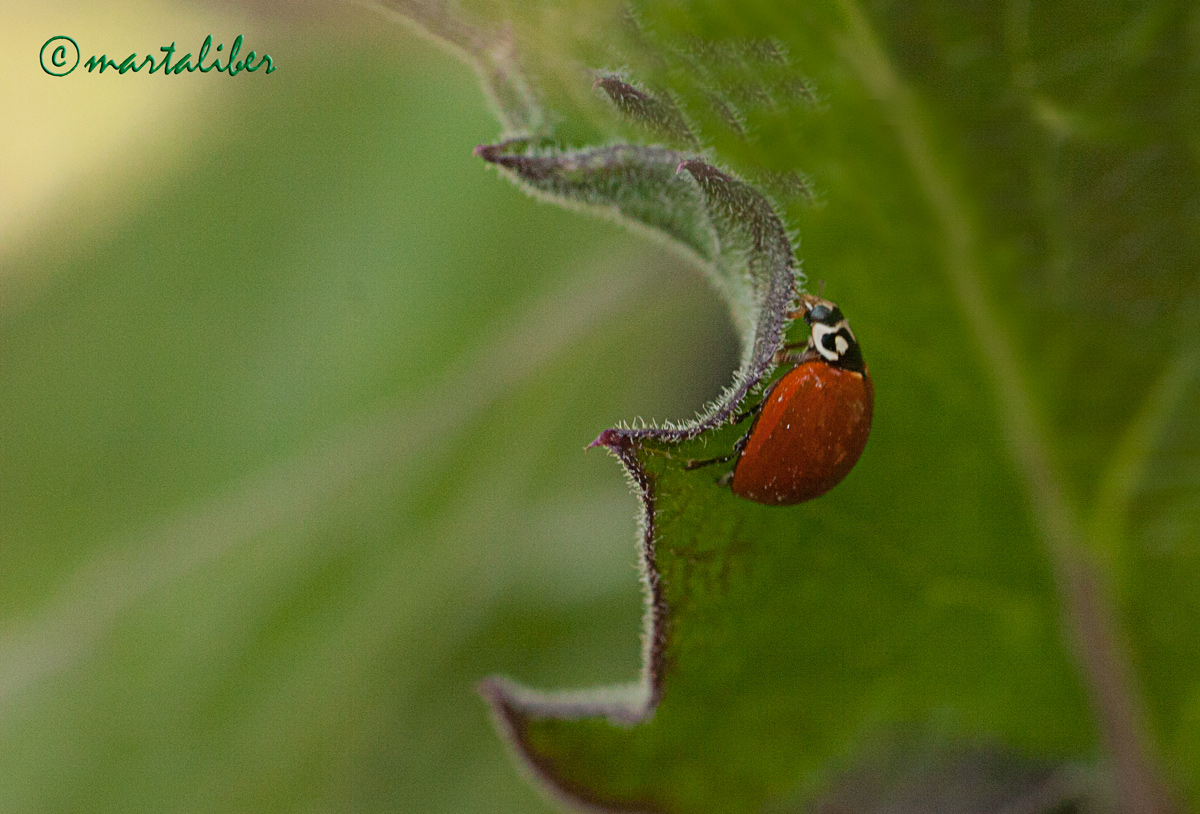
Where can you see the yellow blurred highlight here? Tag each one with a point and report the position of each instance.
(73, 146)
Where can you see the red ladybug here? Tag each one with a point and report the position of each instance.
(812, 423)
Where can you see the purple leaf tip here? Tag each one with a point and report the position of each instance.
(613, 439)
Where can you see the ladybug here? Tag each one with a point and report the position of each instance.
(812, 423)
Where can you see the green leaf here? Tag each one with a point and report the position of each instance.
(1008, 216)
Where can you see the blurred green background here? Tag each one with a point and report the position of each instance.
(293, 400)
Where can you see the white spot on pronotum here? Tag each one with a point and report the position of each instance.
(819, 332)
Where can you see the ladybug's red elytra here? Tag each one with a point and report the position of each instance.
(812, 424)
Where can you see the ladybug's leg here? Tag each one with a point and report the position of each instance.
(709, 461)
(738, 446)
(786, 355)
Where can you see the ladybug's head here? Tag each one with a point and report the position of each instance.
(831, 335)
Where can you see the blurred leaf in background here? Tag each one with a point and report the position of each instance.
(293, 400)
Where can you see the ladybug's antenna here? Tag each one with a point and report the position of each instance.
(821, 289)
